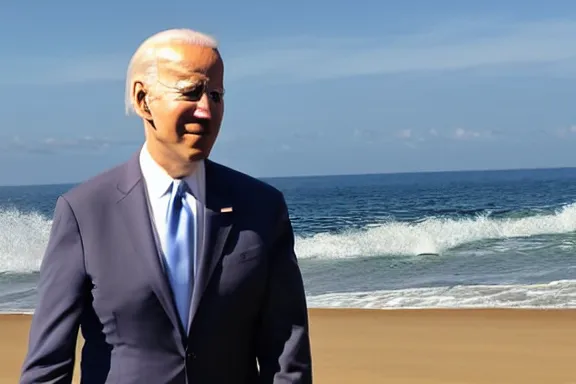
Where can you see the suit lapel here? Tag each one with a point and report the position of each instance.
(219, 217)
(133, 207)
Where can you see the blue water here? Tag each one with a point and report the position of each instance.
(453, 239)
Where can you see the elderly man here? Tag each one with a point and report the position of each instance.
(176, 269)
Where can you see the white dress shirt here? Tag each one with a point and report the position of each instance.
(158, 184)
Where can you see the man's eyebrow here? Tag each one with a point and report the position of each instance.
(195, 70)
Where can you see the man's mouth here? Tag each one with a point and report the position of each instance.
(197, 133)
(198, 130)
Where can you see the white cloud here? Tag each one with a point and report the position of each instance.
(451, 46)
(404, 134)
(410, 137)
(54, 71)
(415, 136)
(565, 132)
(469, 134)
(53, 145)
(545, 47)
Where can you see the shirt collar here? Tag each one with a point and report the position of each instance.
(158, 182)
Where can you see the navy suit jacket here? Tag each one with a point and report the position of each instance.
(102, 273)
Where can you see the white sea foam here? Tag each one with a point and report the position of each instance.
(557, 294)
(434, 235)
(23, 236)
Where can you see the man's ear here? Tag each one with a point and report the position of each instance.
(140, 101)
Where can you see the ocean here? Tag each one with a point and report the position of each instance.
(420, 240)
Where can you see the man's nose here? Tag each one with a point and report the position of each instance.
(203, 108)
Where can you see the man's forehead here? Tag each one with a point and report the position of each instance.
(185, 60)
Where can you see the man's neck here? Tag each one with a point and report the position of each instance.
(174, 168)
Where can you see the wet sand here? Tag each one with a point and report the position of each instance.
(421, 346)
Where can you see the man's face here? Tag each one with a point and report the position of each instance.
(186, 105)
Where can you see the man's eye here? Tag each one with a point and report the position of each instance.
(215, 96)
(195, 93)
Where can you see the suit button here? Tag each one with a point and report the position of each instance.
(191, 355)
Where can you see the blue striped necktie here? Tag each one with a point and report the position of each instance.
(180, 246)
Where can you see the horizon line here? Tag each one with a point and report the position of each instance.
(547, 168)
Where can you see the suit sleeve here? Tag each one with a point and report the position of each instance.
(54, 329)
(283, 353)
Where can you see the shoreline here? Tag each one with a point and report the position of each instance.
(554, 294)
(410, 346)
(384, 309)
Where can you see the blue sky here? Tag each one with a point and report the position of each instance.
(354, 87)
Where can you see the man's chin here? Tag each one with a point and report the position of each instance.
(196, 155)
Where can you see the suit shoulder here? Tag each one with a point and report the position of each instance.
(96, 187)
(241, 181)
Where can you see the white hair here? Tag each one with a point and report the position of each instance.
(144, 63)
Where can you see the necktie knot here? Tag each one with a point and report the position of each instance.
(179, 188)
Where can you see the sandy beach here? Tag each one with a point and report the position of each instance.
(410, 346)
